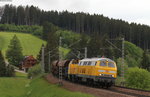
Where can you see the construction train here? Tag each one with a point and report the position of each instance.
(97, 71)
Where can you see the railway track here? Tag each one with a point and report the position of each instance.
(114, 91)
(126, 91)
(130, 91)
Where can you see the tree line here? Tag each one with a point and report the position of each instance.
(33, 29)
(97, 47)
(79, 22)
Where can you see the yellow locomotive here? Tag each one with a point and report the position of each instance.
(101, 71)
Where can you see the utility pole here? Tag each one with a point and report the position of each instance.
(60, 58)
(42, 58)
(79, 54)
(122, 71)
(85, 53)
(122, 53)
(49, 61)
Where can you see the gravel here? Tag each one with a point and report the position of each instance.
(97, 92)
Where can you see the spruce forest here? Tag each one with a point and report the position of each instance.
(79, 22)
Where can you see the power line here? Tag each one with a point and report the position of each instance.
(74, 43)
(122, 54)
(114, 45)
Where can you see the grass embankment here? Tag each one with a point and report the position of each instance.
(20, 86)
(41, 88)
(13, 86)
(31, 45)
(20, 74)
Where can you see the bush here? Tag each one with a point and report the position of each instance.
(34, 71)
(138, 78)
(119, 63)
(133, 54)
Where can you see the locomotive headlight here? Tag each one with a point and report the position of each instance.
(101, 70)
(112, 71)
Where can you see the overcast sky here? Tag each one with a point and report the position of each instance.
(129, 10)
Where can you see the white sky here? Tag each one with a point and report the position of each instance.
(129, 10)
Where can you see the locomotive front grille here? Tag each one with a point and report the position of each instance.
(106, 75)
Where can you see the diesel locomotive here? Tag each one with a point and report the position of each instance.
(96, 71)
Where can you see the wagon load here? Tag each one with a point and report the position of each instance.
(64, 64)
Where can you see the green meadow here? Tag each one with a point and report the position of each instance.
(39, 87)
(31, 44)
(13, 86)
(20, 86)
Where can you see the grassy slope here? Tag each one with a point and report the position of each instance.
(20, 86)
(31, 44)
(13, 86)
(41, 88)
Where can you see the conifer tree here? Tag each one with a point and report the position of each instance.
(10, 71)
(52, 42)
(145, 63)
(40, 54)
(14, 52)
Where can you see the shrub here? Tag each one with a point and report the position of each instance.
(138, 78)
(119, 66)
(34, 71)
(133, 54)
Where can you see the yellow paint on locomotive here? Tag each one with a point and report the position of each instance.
(73, 67)
(94, 70)
(102, 70)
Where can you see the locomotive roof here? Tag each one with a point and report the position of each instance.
(97, 59)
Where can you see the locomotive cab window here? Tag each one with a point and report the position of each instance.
(81, 63)
(110, 64)
(93, 63)
(85, 63)
(103, 63)
(89, 63)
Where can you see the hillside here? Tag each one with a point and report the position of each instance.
(32, 88)
(9, 88)
(30, 44)
(79, 22)
(50, 90)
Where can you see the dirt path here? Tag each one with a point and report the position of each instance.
(84, 89)
(20, 71)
